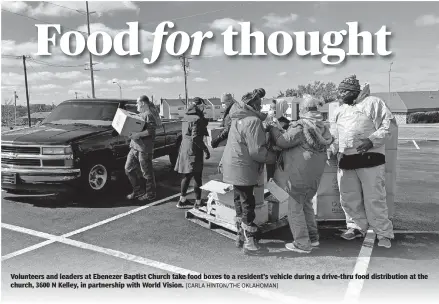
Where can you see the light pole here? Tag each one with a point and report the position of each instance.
(120, 88)
(390, 70)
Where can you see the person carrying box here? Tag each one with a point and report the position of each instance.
(138, 167)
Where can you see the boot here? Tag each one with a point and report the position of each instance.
(239, 241)
(251, 246)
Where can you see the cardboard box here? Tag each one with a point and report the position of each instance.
(277, 210)
(390, 199)
(391, 160)
(328, 207)
(125, 122)
(214, 133)
(227, 214)
(220, 192)
(328, 184)
(390, 183)
(279, 193)
(392, 141)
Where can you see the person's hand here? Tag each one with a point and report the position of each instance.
(134, 135)
(215, 142)
(366, 145)
(276, 149)
(207, 154)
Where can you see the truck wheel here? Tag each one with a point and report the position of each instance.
(97, 178)
(173, 155)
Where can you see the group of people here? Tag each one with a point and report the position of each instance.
(295, 155)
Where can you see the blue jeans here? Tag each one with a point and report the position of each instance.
(140, 172)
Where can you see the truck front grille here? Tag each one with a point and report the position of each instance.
(20, 149)
(21, 162)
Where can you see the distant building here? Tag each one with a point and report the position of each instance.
(216, 109)
(293, 106)
(176, 108)
(172, 108)
(401, 104)
(34, 118)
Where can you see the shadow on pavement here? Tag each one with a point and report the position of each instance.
(411, 246)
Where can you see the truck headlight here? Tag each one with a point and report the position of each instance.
(57, 150)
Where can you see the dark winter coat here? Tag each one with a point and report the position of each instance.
(247, 148)
(194, 128)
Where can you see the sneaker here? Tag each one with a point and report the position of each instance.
(384, 242)
(184, 205)
(199, 205)
(133, 196)
(293, 247)
(146, 197)
(352, 234)
(315, 243)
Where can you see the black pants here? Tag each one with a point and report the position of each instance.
(270, 171)
(245, 206)
(187, 180)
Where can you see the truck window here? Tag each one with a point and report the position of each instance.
(93, 113)
(131, 108)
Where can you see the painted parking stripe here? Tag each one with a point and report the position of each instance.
(355, 286)
(414, 232)
(36, 246)
(276, 296)
(416, 145)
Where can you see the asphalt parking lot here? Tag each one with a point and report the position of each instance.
(111, 235)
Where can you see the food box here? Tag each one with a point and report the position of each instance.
(214, 133)
(328, 184)
(220, 192)
(125, 122)
(227, 213)
(277, 201)
(328, 207)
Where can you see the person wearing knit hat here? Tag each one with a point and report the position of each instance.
(360, 127)
(244, 157)
(299, 170)
(228, 100)
(192, 149)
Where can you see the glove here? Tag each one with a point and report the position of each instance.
(215, 142)
(207, 154)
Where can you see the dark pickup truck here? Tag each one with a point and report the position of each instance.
(75, 148)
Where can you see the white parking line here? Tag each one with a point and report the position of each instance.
(276, 296)
(352, 294)
(45, 243)
(414, 232)
(416, 145)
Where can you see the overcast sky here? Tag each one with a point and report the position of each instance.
(414, 42)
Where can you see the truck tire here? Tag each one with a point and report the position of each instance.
(96, 178)
(173, 155)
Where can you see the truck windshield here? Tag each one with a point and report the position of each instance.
(93, 113)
